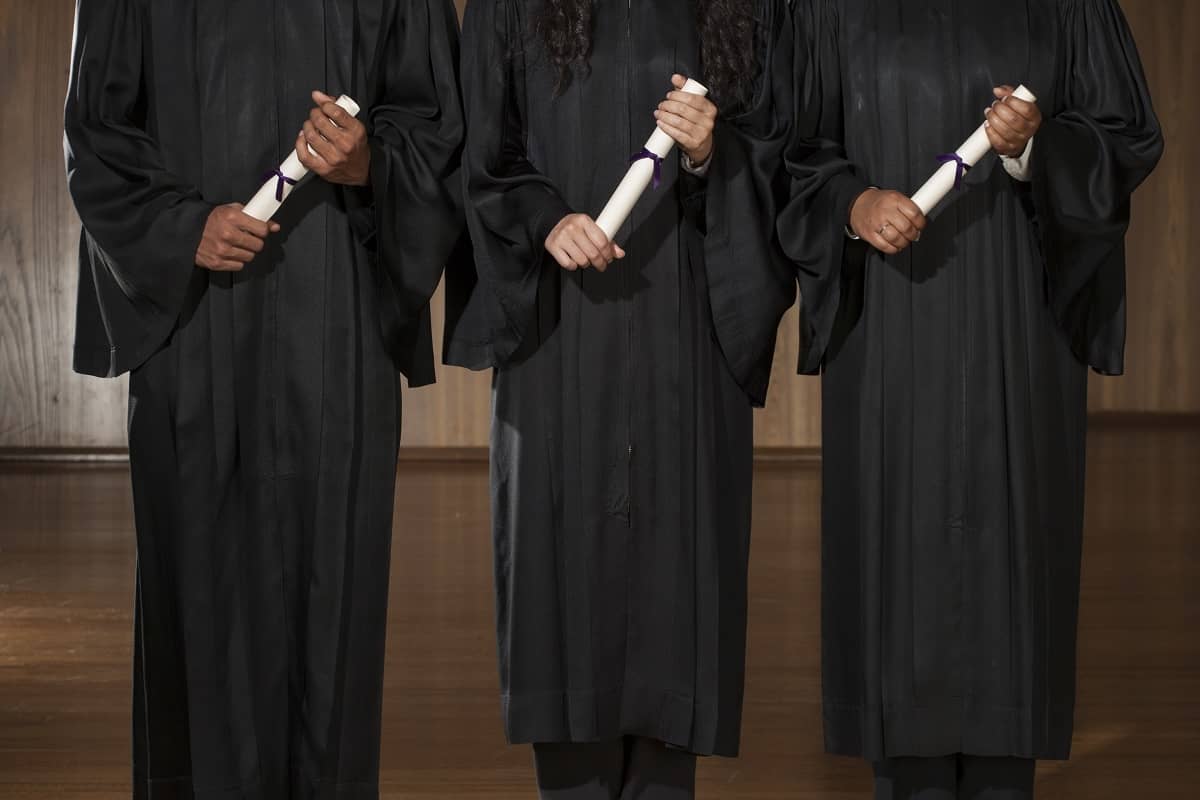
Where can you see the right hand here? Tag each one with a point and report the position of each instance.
(231, 239)
(577, 242)
(886, 220)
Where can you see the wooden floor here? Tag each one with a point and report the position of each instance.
(66, 563)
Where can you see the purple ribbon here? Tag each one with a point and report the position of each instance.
(960, 169)
(655, 157)
(279, 184)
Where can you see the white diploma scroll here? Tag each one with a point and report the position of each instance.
(640, 173)
(972, 150)
(281, 183)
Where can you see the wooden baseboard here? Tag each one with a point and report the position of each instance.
(784, 456)
(762, 455)
(64, 455)
(1143, 419)
(418, 455)
(100, 456)
(28, 457)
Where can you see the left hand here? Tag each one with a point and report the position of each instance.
(689, 120)
(340, 141)
(1011, 122)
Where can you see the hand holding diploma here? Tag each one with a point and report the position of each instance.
(689, 119)
(332, 144)
(231, 239)
(577, 243)
(886, 220)
(337, 144)
(1012, 121)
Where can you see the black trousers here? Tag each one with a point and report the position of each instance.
(955, 777)
(631, 768)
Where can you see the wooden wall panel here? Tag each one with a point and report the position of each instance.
(455, 412)
(1163, 365)
(42, 404)
(792, 417)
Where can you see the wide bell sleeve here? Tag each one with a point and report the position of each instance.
(1088, 157)
(414, 219)
(141, 223)
(510, 207)
(750, 283)
(824, 183)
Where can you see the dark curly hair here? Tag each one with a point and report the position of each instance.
(727, 43)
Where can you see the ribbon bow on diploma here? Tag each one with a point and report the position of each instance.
(658, 162)
(282, 182)
(961, 170)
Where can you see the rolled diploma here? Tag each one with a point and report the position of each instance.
(972, 150)
(264, 204)
(640, 173)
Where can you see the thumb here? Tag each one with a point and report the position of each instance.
(320, 97)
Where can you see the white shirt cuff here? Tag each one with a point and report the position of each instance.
(1021, 167)
(688, 166)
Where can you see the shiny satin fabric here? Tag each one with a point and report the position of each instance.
(621, 437)
(955, 373)
(265, 404)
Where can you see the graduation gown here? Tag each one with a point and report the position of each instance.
(621, 436)
(954, 374)
(264, 405)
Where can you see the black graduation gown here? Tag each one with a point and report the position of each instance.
(621, 438)
(264, 405)
(954, 386)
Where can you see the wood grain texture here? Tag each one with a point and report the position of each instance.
(66, 596)
(42, 404)
(1163, 286)
(41, 401)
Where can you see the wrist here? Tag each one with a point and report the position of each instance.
(358, 167)
(699, 157)
(851, 229)
(700, 170)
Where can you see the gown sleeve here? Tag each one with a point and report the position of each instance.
(750, 283)
(824, 182)
(1088, 157)
(414, 218)
(511, 207)
(141, 223)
